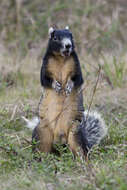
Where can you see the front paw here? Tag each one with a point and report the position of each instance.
(69, 87)
(57, 86)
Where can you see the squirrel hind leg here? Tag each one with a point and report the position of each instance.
(72, 144)
(76, 148)
(42, 139)
(46, 140)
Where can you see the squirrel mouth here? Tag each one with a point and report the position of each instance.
(66, 53)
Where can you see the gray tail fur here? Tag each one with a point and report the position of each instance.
(91, 130)
(31, 124)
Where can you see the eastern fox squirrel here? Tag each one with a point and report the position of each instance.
(61, 113)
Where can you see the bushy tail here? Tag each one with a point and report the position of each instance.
(91, 131)
(31, 124)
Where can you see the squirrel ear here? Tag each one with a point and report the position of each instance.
(67, 27)
(51, 30)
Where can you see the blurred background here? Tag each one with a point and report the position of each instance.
(99, 28)
(96, 24)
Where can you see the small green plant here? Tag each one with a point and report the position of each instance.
(114, 72)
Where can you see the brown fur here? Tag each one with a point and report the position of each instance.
(58, 111)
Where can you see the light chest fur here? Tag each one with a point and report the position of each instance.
(57, 111)
(61, 69)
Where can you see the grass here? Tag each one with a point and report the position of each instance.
(101, 27)
(99, 31)
(114, 76)
(21, 169)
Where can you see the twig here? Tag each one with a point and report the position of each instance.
(13, 113)
(26, 147)
(29, 142)
(94, 91)
(18, 139)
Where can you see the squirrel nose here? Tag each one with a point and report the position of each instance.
(68, 46)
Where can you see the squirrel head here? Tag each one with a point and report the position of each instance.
(61, 41)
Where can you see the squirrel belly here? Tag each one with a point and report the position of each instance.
(58, 110)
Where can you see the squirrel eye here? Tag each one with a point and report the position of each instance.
(55, 38)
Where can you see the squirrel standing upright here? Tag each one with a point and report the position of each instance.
(61, 113)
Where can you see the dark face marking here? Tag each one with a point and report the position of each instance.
(61, 41)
